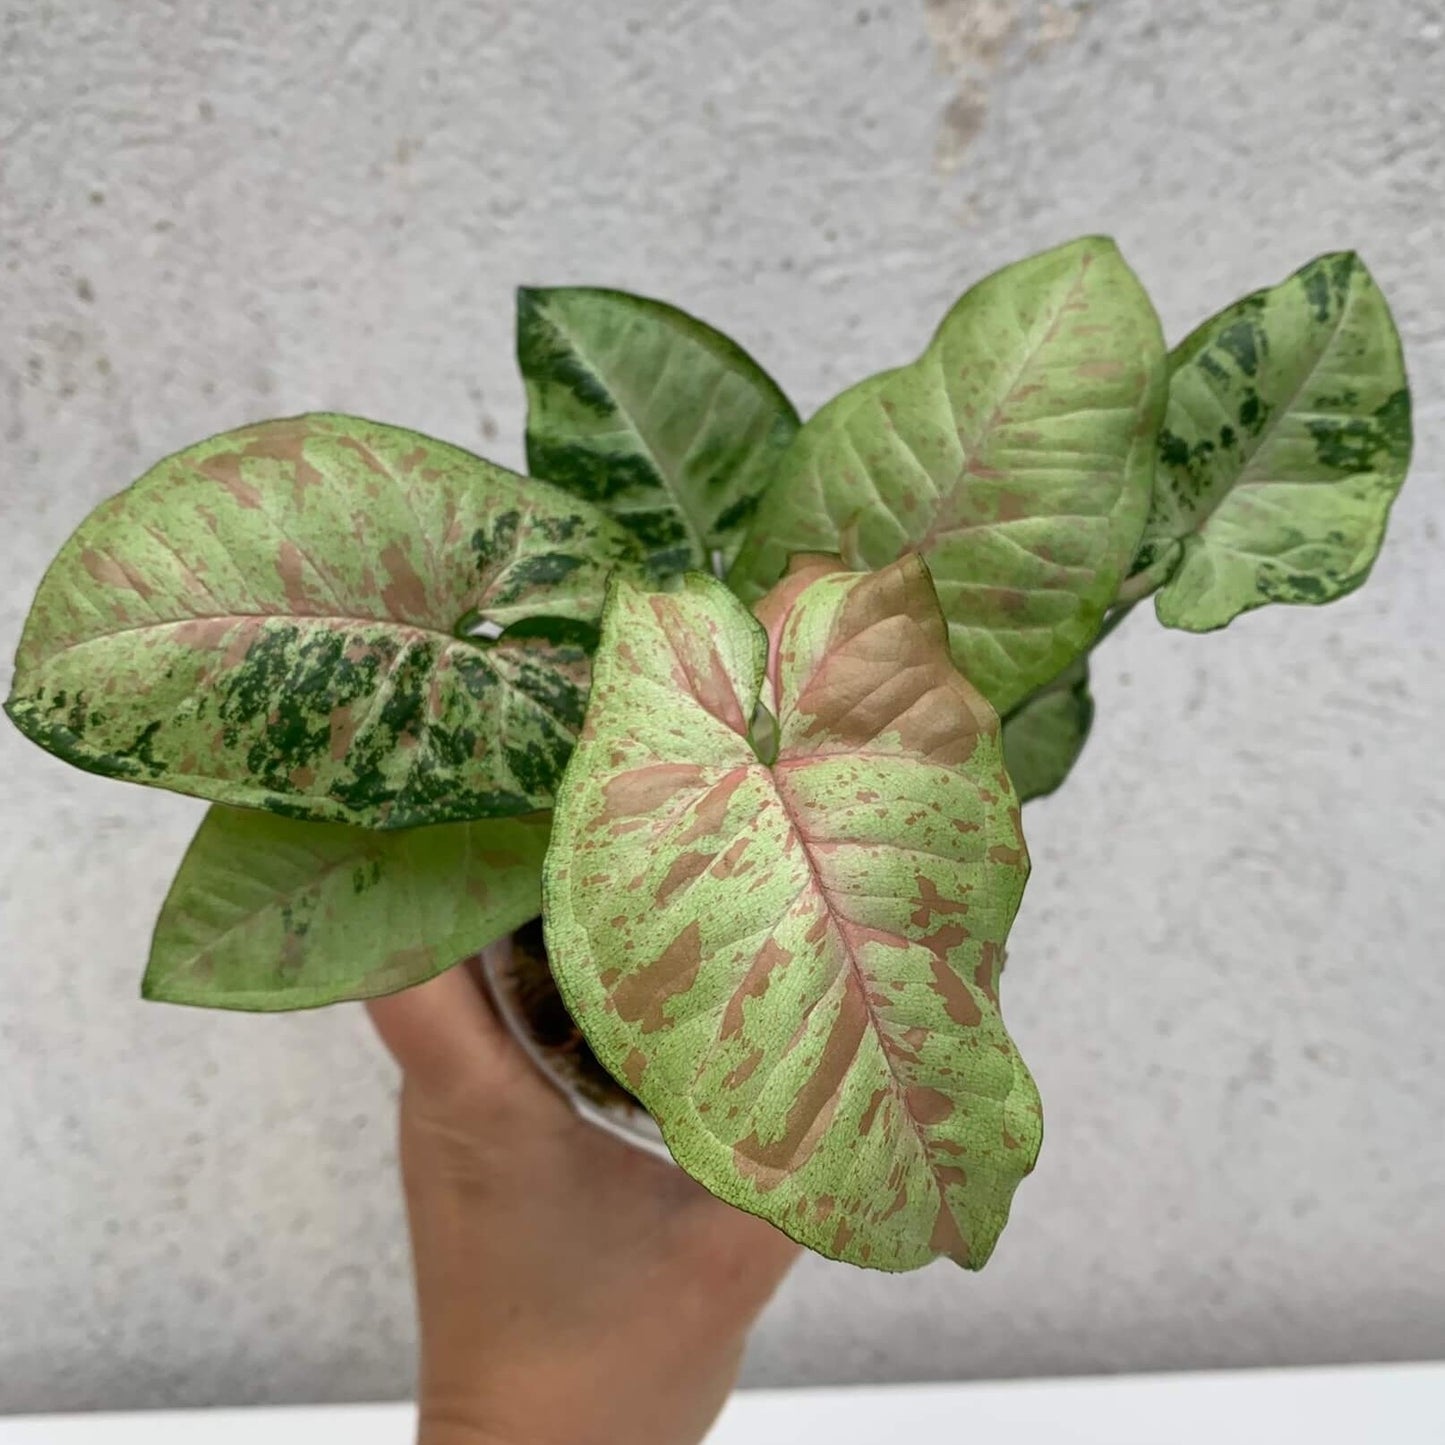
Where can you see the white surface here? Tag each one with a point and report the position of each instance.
(1402, 1405)
(1227, 975)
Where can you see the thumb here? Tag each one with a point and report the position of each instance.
(443, 1033)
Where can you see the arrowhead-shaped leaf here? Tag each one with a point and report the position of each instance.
(794, 963)
(269, 913)
(276, 617)
(1016, 455)
(1042, 739)
(1286, 439)
(657, 418)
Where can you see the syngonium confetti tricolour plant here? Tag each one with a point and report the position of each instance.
(745, 708)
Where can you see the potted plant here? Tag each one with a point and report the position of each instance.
(744, 709)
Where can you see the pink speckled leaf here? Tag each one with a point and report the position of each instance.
(1016, 456)
(285, 617)
(790, 951)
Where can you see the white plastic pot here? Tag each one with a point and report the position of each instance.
(580, 1079)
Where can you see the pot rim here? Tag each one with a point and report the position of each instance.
(629, 1122)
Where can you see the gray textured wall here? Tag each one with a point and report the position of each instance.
(1227, 977)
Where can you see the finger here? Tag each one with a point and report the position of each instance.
(443, 1032)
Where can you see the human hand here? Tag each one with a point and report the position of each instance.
(572, 1290)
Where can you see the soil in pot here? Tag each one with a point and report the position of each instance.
(531, 985)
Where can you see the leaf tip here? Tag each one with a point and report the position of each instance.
(152, 989)
(1089, 246)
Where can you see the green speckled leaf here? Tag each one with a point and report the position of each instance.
(1016, 455)
(1286, 439)
(657, 418)
(1043, 737)
(273, 618)
(269, 913)
(794, 963)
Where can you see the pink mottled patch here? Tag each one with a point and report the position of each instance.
(405, 594)
(958, 1002)
(929, 1106)
(685, 868)
(710, 812)
(642, 996)
(771, 957)
(643, 790)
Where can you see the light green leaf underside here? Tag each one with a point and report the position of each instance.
(795, 967)
(1286, 439)
(654, 416)
(1016, 456)
(269, 913)
(1042, 739)
(271, 619)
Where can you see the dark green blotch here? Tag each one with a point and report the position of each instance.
(65, 738)
(568, 632)
(489, 549)
(1342, 269)
(1150, 551)
(1396, 428)
(1173, 450)
(289, 684)
(1317, 291)
(141, 753)
(538, 569)
(1298, 587)
(1244, 343)
(605, 477)
(588, 470)
(284, 807)
(1212, 368)
(296, 915)
(366, 875)
(537, 765)
(1187, 467)
(559, 529)
(1350, 445)
(404, 767)
(76, 716)
(434, 754)
(545, 356)
(669, 562)
(540, 677)
(736, 516)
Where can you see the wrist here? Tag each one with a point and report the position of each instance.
(469, 1421)
(435, 1428)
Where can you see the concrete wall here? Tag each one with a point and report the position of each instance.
(1228, 973)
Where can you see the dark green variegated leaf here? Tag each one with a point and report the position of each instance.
(794, 962)
(1286, 439)
(1043, 737)
(659, 419)
(1016, 455)
(269, 913)
(275, 618)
